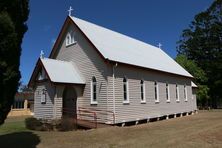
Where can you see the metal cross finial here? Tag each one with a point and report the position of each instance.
(70, 10)
(159, 45)
(42, 54)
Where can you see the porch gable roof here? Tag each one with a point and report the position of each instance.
(58, 71)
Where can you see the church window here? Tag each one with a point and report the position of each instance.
(125, 91)
(156, 89)
(43, 96)
(142, 91)
(167, 92)
(70, 38)
(93, 91)
(177, 93)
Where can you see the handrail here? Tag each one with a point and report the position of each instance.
(91, 116)
(102, 112)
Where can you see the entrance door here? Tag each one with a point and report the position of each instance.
(69, 102)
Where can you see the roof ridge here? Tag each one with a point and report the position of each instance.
(119, 33)
(114, 46)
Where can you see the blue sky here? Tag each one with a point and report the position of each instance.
(151, 21)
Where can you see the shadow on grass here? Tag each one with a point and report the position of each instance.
(19, 140)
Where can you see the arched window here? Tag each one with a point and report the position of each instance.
(142, 91)
(177, 93)
(43, 96)
(93, 91)
(42, 75)
(125, 91)
(167, 92)
(68, 39)
(72, 37)
(185, 92)
(156, 92)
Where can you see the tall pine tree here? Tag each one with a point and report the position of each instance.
(202, 42)
(13, 15)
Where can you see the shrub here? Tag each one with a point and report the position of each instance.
(66, 124)
(33, 123)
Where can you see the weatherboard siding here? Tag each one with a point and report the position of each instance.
(44, 110)
(136, 110)
(89, 64)
(194, 98)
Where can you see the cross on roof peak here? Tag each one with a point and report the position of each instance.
(42, 54)
(159, 45)
(70, 10)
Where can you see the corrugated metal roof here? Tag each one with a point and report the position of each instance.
(62, 71)
(121, 48)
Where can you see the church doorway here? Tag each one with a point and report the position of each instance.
(69, 102)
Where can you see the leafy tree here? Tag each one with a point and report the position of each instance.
(24, 89)
(202, 42)
(13, 15)
(200, 78)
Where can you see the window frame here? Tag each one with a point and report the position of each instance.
(185, 93)
(167, 92)
(125, 92)
(177, 93)
(142, 91)
(94, 96)
(70, 38)
(156, 92)
(43, 96)
(42, 75)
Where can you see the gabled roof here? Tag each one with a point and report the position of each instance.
(58, 71)
(62, 71)
(121, 48)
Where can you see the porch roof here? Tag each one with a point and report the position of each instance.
(62, 71)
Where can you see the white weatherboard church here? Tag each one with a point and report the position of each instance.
(99, 70)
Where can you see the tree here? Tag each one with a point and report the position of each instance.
(200, 78)
(13, 15)
(24, 89)
(202, 42)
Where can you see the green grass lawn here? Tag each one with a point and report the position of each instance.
(200, 130)
(13, 124)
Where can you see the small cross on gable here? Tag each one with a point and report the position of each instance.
(42, 54)
(70, 11)
(159, 45)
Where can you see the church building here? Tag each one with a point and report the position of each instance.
(93, 72)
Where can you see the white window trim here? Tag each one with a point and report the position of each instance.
(42, 75)
(92, 102)
(144, 93)
(168, 93)
(68, 40)
(127, 93)
(43, 96)
(178, 93)
(71, 40)
(157, 99)
(185, 91)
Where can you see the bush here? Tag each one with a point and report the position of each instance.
(33, 123)
(66, 124)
